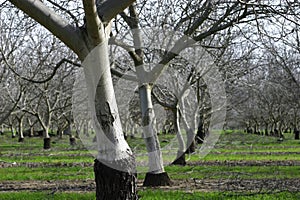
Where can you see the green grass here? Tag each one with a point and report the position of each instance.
(226, 172)
(190, 195)
(46, 173)
(48, 159)
(232, 146)
(46, 196)
(152, 195)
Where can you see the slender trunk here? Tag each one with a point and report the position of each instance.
(20, 129)
(72, 139)
(200, 132)
(180, 159)
(266, 129)
(31, 132)
(13, 134)
(156, 168)
(47, 139)
(114, 168)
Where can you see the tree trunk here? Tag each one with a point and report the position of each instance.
(200, 132)
(114, 184)
(31, 131)
(47, 140)
(161, 179)
(13, 134)
(297, 134)
(114, 168)
(156, 168)
(180, 158)
(21, 134)
(47, 143)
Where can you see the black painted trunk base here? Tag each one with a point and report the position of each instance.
(161, 179)
(192, 148)
(297, 135)
(21, 140)
(47, 143)
(180, 160)
(72, 141)
(113, 184)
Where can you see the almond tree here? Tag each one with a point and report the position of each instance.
(111, 183)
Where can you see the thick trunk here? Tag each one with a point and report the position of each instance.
(114, 184)
(161, 179)
(151, 139)
(47, 143)
(72, 141)
(115, 172)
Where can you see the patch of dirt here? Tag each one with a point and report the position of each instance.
(54, 186)
(4, 164)
(205, 185)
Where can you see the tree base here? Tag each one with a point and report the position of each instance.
(297, 135)
(161, 179)
(72, 141)
(21, 140)
(47, 144)
(180, 160)
(192, 148)
(114, 184)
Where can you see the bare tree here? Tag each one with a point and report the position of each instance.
(111, 183)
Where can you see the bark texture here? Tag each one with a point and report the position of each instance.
(113, 184)
(47, 143)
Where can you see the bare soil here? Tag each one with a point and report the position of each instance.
(205, 185)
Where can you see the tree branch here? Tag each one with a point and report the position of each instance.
(109, 9)
(67, 33)
(93, 22)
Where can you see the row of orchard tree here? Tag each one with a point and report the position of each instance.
(254, 46)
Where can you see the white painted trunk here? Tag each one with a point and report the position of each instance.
(46, 132)
(181, 143)
(21, 135)
(103, 106)
(149, 132)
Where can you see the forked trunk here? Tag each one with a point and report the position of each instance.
(156, 169)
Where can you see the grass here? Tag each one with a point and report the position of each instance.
(232, 146)
(152, 195)
(182, 195)
(46, 173)
(46, 196)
